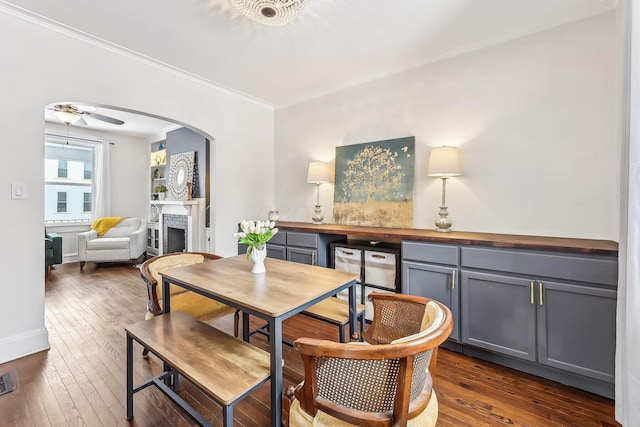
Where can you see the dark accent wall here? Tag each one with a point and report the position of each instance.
(184, 140)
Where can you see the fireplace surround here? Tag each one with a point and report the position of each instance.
(181, 220)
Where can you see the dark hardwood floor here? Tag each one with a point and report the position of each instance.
(81, 379)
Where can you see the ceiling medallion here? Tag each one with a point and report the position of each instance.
(270, 12)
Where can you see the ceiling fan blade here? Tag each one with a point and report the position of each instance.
(81, 122)
(105, 118)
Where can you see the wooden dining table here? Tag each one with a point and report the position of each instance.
(286, 289)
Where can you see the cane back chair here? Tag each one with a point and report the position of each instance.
(385, 381)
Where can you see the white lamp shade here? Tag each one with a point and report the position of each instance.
(67, 117)
(318, 172)
(444, 162)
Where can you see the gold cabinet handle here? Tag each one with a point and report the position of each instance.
(532, 294)
(541, 300)
(453, 279)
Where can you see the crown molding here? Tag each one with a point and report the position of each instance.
(82, 36)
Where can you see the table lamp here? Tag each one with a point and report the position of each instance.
(444, 162)
(318, 174)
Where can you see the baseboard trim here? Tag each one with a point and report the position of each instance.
(17, 346)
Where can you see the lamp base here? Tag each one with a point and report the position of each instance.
(317, 216)
(443, 224)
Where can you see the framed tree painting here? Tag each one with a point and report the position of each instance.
(374, 183)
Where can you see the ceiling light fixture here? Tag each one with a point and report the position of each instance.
(270, 12)
(67, 117)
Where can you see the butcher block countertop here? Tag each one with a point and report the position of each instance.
(541, 243)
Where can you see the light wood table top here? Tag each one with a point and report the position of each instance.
(287, 288)
(284, 287)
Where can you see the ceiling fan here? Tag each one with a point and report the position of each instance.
(71, 114)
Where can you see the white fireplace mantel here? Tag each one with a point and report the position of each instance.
(194, 211)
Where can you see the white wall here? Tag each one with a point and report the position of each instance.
(535, 120)
(41, 65)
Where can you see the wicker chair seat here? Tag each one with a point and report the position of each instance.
(202, 308)
(197, 306)
(299, 418)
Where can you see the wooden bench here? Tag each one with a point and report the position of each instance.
(336, 311)
(223, 367)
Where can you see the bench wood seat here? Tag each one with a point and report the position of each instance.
(336, 312)
(222, 366)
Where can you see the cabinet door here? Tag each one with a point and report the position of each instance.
(242, 249)
(276, 251)
(301, 255)
(498, 314)
(435, 282)
(577, 329)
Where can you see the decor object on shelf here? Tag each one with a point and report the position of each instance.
(274, 13)
(180, 175)
(374, 183)
(273, 215)
(318, 174)
(161, 191)
(255, 234)
(444, 162)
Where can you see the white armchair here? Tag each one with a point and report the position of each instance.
(126, 241)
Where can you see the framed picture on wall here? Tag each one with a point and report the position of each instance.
(374, 183)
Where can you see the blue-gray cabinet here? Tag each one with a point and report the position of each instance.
(310, 248)
(431, 270)
(277, 246)
(556, 310)
(576, 329)
(302, 247)
(542, 305)
(498, 314)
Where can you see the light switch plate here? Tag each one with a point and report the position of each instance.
(18, 190)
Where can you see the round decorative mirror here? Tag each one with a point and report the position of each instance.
(180, 175)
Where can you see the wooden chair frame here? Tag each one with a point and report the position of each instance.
(153, 303)
(403, 409)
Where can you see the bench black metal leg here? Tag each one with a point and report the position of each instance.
(227, 416)
(129, 377)
(168, 381)
(341, 333)
(245, 327)
(176, 384)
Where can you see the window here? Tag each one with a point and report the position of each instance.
(68, 180)
(87, 170)
(62, 169)
(86, 206)
(62, 201)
